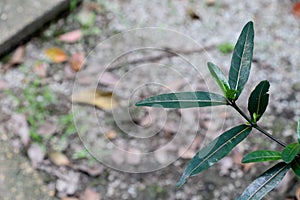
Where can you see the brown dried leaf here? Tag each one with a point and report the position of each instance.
(16, 58)
(89, 194)
(21, 128)
(248, 166)
(190, 152)
(296, 9)
(107, 81)
(210, 2)
(93, 6)
(41, 69)
(69, 198)
(59, 159)
(237, 158)
(111, 134)
(192, 14)
(56, 55)
(71, 37)
(298, 193)
(186, 154)
(48, 128)
(104, 101)
(92, 171)
(76, 61)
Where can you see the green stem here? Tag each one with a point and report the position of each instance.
(254, 125)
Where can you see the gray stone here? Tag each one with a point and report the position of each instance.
(21, 18)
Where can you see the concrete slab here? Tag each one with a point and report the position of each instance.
(18, 180)
(21, 18)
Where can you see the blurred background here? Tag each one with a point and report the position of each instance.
(71, 72)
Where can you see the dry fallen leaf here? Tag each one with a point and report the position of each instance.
(76, 61)
(48, 128)
(111, 134)
(56, 55)
(93, 6)
(59, 159)
(192, 150)
(41, 69)
(69, 198)
(186, 153)
(104, 101)
(36, 154)
(296, 9)
(71, 37)
(210, 2)
(298, 193)
(193, 15)
(107, 81)
(21, 128)
(90, 170)
(89, 194)
(16, 58)
(248, 166)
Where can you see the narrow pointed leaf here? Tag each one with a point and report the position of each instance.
(290, 152)
(296, 166)
(241, 59)
(261, 156)
(214, 151)
(184, 100)
(265, 183)
(219, 77)
(258, 100)
(298, 130)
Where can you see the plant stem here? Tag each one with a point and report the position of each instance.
(254, 125)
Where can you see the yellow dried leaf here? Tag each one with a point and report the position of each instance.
(56, 55)
(111, 134)
(97, 98)
(59, 159)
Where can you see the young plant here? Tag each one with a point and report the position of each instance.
(257, 104)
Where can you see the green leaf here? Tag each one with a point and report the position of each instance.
(296, 166)
(231, 94)
(265, 183)
(184, 100)
(290, 152)
(261, 156)
(214, 151)
(298, 130)
(219, 77)
(241, 59)
(226, 47)
(258, 100)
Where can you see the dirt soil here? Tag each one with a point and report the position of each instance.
(132, 50)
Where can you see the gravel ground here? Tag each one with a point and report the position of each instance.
(148, 141)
